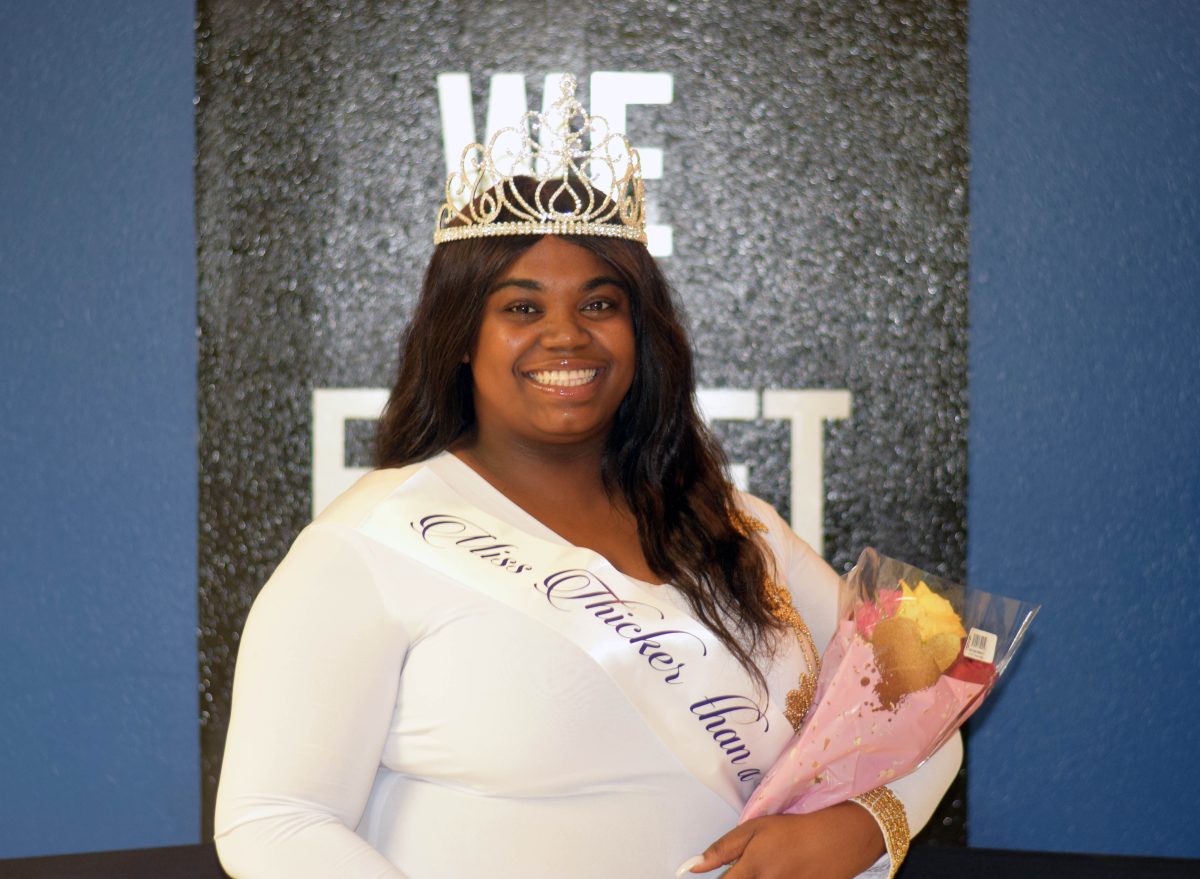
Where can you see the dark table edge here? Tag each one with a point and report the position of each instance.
(924, 862)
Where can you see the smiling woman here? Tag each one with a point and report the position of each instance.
(547, 611)
(554, 355)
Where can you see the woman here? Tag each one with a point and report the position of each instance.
(545, 638)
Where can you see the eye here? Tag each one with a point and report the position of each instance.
(599, 305)
(521, 307)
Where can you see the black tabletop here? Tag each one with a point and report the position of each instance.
(924, 862)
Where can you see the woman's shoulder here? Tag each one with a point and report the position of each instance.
(759, 516)
(756, 515)
(336, 553)
(356, 504)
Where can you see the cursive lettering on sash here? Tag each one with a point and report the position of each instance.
(621, 625)
(443, 530)
(719, 713)
(578, 585)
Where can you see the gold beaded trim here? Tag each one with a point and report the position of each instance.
(799, 700)
(779, 602)
(745, 523)
(887, 810)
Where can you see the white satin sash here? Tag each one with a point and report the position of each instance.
(690, 690)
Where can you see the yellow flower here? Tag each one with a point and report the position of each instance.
(933, 614)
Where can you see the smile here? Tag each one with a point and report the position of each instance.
(563, 378)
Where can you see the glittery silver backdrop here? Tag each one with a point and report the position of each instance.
(815, 179)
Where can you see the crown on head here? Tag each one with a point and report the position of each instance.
(556, 173)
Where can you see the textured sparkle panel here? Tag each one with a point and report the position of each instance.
(815, 181)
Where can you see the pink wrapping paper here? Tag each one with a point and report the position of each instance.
(849, 743)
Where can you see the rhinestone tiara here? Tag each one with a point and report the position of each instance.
(556, 173)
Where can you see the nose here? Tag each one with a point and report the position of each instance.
(564, 329)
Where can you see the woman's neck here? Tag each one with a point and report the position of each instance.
(563, 488)
(571, 474)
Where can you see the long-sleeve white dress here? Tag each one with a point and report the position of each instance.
(389, 721)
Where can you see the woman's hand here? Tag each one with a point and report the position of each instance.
(835, 843)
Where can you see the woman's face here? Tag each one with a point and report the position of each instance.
(555, 352)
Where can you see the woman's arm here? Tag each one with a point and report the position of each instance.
(314, 692)
(897, 811)
(814, 587)
(839, 842)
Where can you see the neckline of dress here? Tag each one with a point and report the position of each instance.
(464, 476)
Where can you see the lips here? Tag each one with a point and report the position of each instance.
(563, 378)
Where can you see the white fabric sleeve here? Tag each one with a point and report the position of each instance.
(314, 692)
(814, 587)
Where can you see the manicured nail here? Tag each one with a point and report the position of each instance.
(686, 866)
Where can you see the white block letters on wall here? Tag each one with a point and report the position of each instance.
(806, 412)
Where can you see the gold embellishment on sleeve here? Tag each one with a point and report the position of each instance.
(745, 523)
(887, 810)
(779, 602)
(799, 700)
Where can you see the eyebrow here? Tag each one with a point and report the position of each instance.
(530, 284)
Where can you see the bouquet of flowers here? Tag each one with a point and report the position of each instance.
(912, 658)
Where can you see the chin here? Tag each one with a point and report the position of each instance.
(578, 434)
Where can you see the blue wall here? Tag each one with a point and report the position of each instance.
(1085, 438)
(1084, 435)
(98, 730)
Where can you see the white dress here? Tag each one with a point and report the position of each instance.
(388, 721)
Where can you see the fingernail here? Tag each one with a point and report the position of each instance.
(686, 866)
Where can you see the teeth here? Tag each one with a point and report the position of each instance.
(563, 378)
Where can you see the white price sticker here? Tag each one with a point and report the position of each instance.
(980, 645)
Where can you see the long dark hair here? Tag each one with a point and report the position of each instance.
(659, 454)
